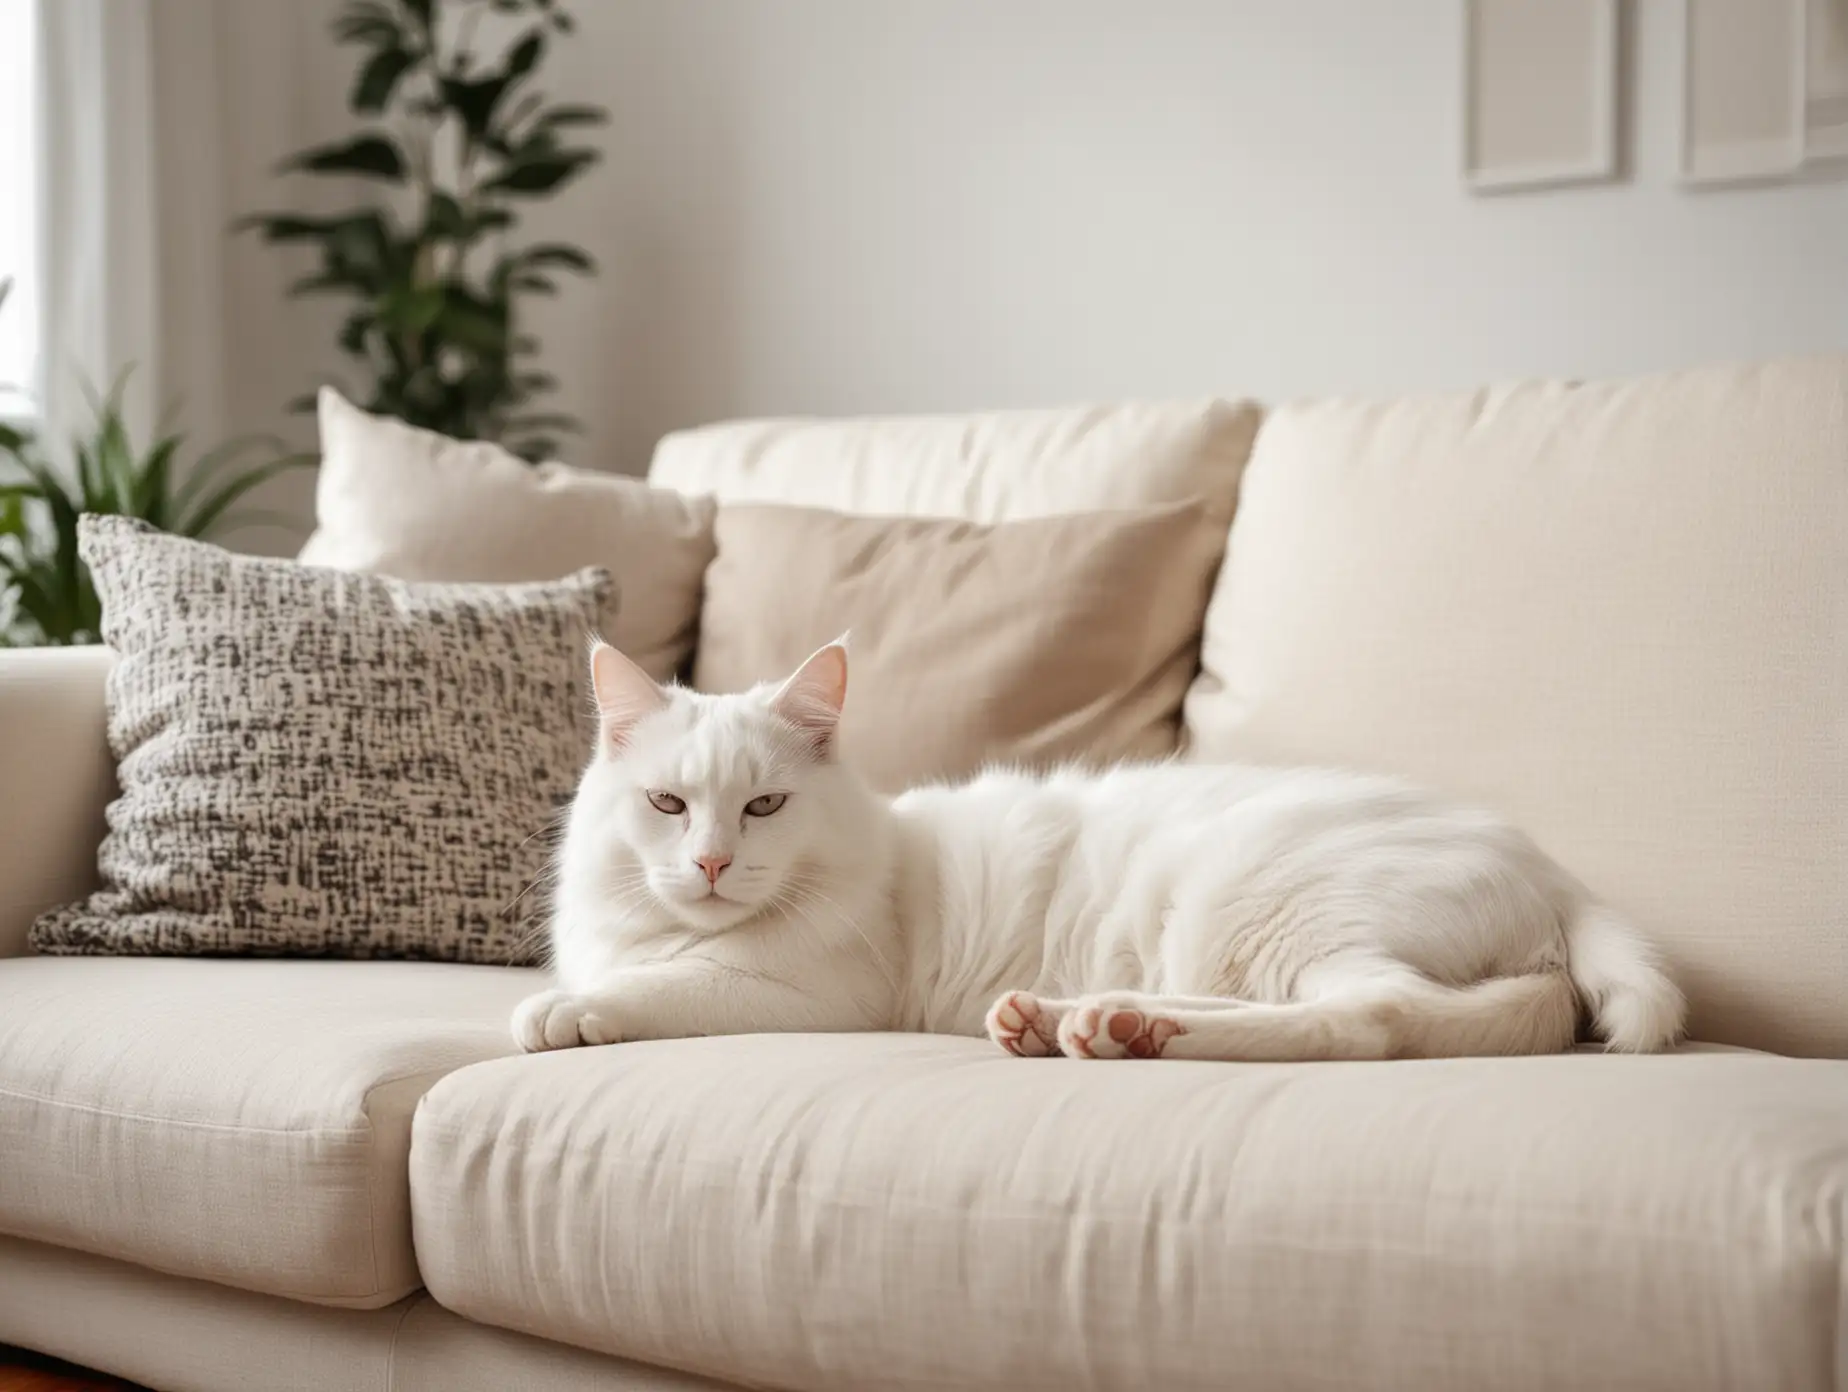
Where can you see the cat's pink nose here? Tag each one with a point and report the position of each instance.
(714, 866)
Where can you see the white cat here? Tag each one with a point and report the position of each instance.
(724, 873)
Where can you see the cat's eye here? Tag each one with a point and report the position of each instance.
(765, 805)
(668, 803)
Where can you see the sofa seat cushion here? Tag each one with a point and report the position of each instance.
(890, 1211)
(246, 1122)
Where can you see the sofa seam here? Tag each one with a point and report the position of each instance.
(397, 1332)
(372, 1169)
(365, 1127)
(115, 1114)
(318, 1300)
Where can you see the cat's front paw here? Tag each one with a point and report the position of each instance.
(1025, 1025)
(560, 1020)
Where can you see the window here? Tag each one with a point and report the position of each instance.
(18, 202)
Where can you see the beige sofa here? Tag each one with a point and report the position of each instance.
(1617, 611)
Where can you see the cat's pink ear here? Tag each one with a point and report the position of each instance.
(625, 693)
(811, 700)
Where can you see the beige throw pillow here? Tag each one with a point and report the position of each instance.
(1058, 638)
(395, 500)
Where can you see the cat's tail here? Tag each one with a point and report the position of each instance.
(1635, 1007)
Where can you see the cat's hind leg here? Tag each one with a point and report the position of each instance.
(1027, 1025)
(1375, 1014)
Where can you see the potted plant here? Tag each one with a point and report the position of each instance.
(46, 596)
(460, 137)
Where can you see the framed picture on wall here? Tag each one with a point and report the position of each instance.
(1744, 89)
(1826, 98)
(1540, 93)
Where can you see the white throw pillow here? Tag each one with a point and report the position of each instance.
(409, 503)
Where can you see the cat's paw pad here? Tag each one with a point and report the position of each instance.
(1019, 1023)
(560, 1020)
(1096, 1029)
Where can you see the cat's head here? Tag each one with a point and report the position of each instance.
(726, 805)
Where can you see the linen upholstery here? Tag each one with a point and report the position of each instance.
(1031, 642)
(1617, 612)
(396, 500)
(877, 1212)
(996, 466)
(244, 1122)
(325, 764)
(56, 778)
(163, 1331)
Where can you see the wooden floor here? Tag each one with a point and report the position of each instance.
(33, 1372)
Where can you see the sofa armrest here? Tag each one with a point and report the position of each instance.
(56, 779)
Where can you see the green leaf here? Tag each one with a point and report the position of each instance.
(411, 309)
(370, 156)
(556, 254)
(285, 227)
(524, 57)
(199, 521)
(559, 117)
(215, 461)
(537, 284)
(542, 173)
(445, 218)
(13, 510)
(39, 600)
(474, 102)
(354, 330)
(378, 79)
(363, 251)
(150, 496)
(472, 322)
(324, 283)
(367, 21)
(89, 477)
(364, 30)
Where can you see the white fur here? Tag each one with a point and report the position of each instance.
(1220, 912)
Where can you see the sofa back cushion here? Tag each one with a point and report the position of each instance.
(1000, 466)
(409, 503)
(1036, 642)
(1616, 612)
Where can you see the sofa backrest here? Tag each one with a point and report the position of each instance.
(1618, 612)
(997, 466)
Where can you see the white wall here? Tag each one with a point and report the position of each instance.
(890, 205)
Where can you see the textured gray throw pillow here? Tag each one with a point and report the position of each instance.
(321, 763)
